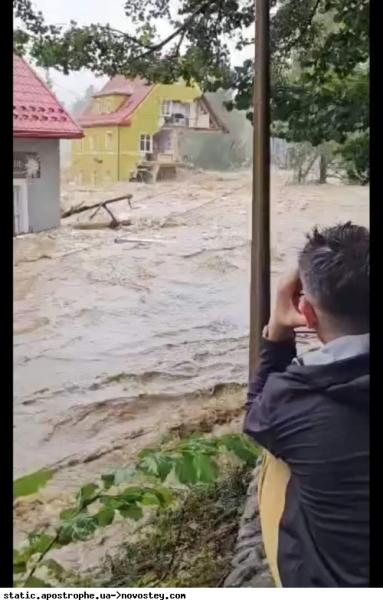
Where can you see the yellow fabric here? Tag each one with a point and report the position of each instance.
(273, 479)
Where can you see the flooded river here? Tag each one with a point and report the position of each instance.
(117, 341)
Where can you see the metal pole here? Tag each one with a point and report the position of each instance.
(260, 243)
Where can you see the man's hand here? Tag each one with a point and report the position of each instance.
(286, 316)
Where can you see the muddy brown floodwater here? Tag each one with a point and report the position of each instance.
(116, 343)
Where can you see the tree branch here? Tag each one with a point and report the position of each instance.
(129, 37)
(149, 49)
(177, 50)
(180, 29)
(303, 31)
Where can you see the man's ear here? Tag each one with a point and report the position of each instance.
(308, 311)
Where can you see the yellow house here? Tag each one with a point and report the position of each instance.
(131, 130)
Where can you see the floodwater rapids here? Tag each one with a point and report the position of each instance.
(116, 341)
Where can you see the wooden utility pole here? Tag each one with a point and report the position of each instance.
(260, 243)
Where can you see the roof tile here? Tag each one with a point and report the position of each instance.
(36, 111)
(135, 91)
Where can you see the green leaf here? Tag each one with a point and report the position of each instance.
(21, 557)
(164, 496)
(30, 484)
(206, 468)
(18, 557)
(84, 526)
(105, 517)
(132, 494)
(185, 470)
(34, 582)
(241, 447)
(53, 566)
(66, 534)
(198, 445)
(81, 528)
(20, 567)
(108, 480)
(131, 511)
(113, 502)
(149, 499)
(39, 542)
(68, 514)
(87, 492)
(155, 463)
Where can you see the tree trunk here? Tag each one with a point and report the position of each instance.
(322, 169)
(74, 210)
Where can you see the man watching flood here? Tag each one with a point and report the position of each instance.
(311, 414)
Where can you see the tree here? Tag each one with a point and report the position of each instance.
(319, 56)
(80, 104)
(48, 79)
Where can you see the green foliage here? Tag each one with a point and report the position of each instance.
(242, 447)
(30, 484)
(86, 495)
(355, 158)
(154, 463)
(193, 461)
(34, 582)
(191, 543)
(105, 517)
(80, 528)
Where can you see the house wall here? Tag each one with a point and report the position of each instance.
(43, 192)
(107, 104)
(199, 117)
(146, 120)
(98, 166)
(92, 162)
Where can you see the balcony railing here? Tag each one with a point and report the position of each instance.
(176, 120)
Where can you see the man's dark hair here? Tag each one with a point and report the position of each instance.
(335, 270)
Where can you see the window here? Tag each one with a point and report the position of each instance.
(109, 141)
(91, 143)
(167, 106)
(108, 105)
(146, 143)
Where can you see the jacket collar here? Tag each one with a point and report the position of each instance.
(342, 348)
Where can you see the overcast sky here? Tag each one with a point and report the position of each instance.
(71, 87)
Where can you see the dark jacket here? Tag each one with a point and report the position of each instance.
(316, 419)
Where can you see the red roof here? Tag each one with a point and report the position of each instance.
(135, 91)
(36, 111)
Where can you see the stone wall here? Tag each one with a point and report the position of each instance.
(250, 567)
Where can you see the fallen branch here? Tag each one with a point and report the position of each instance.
(74, 210)
(114, 222)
